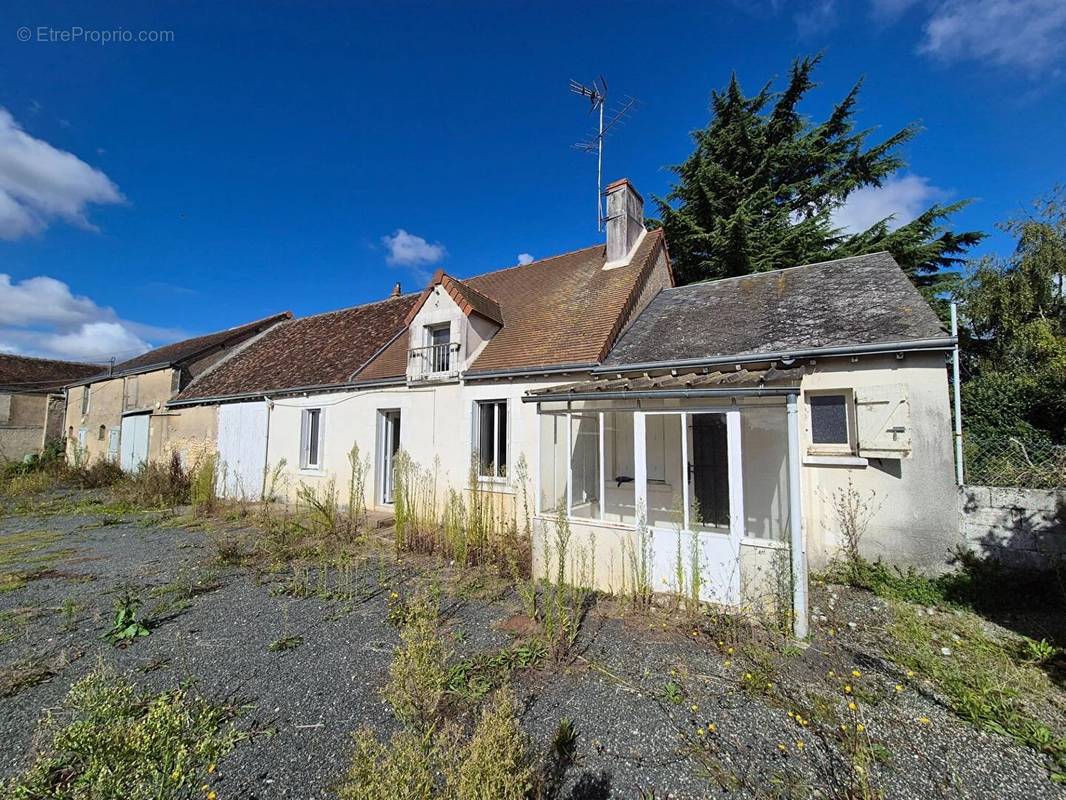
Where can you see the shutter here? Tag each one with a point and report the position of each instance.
(5, 408)
(322, 438)
(883, 421)
(303, 438)
(508, 440)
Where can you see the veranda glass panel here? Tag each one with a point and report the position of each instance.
(665, 475)
(553, 463)
(585, 465)
(764, 432)
(708, 473)
(620, 504)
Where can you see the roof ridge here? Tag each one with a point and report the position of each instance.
(357, 306)
(784, 269)
(531, 263)
(53, 360)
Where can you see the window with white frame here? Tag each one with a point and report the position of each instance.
(84, 400)
(311, 439)
(490, 443)
(830, 426)
(619, 433)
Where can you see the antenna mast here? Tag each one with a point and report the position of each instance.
(597, 97)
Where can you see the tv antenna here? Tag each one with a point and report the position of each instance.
(593, 143)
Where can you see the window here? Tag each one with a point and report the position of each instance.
(438, 339)
(619, 433)
(311, 439)
(491, 441)
(829, 420)
(84, 400)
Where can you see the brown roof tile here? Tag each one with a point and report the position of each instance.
(321, 350)
(469, 299)
(25, 374)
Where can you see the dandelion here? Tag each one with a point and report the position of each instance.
(799, 744)
(899, 687)
(695, 633)
(211, 768)
(212, 796)
(856, 674)
(728, 663)
(924, 720)
(782, 748)
(910, 673)
(711, 727)
(830, 674)
(852, 706)
(747, 676)
(695, 708)
(860, 727)
(730, 651)
(791, 714)
(175, 775)
(832, 631)
(847, 689)
(699, 731)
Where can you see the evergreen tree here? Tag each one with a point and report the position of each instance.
(759, 190)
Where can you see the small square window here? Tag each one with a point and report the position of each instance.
(829, 419)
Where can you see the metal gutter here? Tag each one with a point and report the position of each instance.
(939, 343)
(518, 372)
(739, 391)
(327, 387)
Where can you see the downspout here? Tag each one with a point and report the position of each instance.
(956, 393)
(795, 518)
(266, 448)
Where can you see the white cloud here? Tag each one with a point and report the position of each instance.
(525, 258)
(95, 340)
(1014, 33)
(407, 250)
(41, 316)
(818, 17)
(903, 198)
(39, 183)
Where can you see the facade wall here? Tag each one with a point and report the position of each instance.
(107, 403)
(910, 501)
(190, 431)
(22, 425)
(436, 430)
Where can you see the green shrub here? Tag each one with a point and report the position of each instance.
(496, 764)
(110, 742)
(404, 768)
(203, 491)
(156, 485)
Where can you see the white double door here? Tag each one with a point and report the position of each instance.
(133, 444)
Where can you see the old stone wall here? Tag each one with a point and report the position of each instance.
(1025, 527)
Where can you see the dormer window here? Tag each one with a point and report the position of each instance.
(438, 340)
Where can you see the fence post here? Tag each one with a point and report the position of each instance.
(956, 392)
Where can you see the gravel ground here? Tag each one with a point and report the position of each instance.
(305, 703)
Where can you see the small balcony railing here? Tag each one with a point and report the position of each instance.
(435, 362)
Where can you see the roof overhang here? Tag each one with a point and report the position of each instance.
(873, 348)
(768, 382)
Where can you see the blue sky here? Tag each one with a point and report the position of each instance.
(279, 156)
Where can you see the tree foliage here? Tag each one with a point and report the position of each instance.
(1015, 331)
(759, 190)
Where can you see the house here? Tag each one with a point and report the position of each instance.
(760, 419)
(729, 420)
(31, 402)
(120, 413)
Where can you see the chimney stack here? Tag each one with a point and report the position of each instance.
(625, 222)
(397, 290)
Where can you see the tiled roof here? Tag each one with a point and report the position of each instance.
(316, 351)
(564, 310)
(25, 374)
(558, 311)
(851, 301)
(178, 353)
(641, 385)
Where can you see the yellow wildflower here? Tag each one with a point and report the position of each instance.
(852, 706)
(699, 731)
(799, 744)
(899, 687)
(711, 727)
(856, 674)
(924, 720)
(695, 708)
(860, 727)
(781, 747)
(847, 689)
(747, 676)
(211, 768)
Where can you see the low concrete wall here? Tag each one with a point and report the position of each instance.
(1023, 527)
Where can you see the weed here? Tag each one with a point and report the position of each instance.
(496, 764)
(285, 643)
(70, 611)
(357, 481)
(673, 693)
(126, 626)
(28, 672)
(475, 677)
(982, 679)
(113, 743)
(418, 674)
(203, 483)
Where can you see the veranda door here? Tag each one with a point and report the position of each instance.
(700, 479)
(389, 445)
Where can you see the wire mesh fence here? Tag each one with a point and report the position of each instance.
(1011, 462)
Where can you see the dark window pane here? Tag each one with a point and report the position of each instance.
(829, 419)
(501, 438)
(312, 437)
(485, 437)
